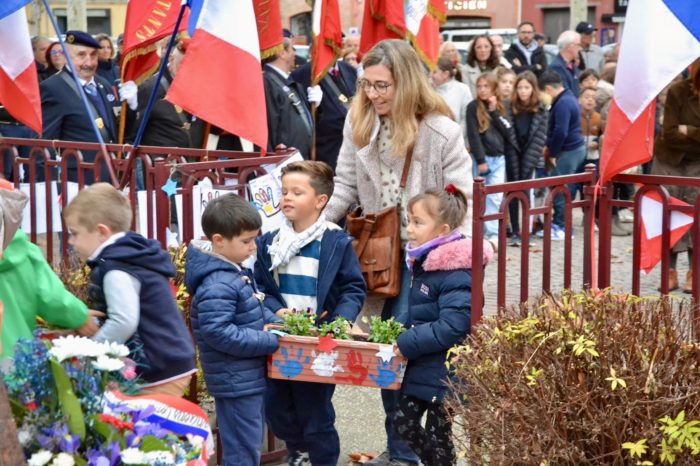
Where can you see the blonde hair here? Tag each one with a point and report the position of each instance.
(98, 204)
(414, 97)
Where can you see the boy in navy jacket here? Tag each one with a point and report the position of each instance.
(308, 264)
(130, 282)
(228, 319)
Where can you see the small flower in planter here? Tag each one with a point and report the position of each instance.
(384, 331)
(63, 459)
(339, 328)
(300, 323)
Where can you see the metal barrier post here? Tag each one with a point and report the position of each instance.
(479, 206)
(162, 202)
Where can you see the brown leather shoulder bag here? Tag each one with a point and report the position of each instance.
(377, 243)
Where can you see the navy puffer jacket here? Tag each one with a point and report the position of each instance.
(227, 319)
(439, 316)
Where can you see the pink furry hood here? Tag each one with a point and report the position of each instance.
(455, 255)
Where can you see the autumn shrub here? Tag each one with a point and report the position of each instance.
(580, 379)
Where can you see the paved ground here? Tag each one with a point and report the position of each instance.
(360, 418)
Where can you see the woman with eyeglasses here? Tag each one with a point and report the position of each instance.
(394, 112)
(55, 60)
(106, 66)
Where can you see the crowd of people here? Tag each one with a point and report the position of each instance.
(388, 133)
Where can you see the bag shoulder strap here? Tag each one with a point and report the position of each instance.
(406, 167)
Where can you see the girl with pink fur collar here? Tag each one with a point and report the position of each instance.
(439, 258)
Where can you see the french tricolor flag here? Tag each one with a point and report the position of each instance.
(220, 79)
(661, 38)
(19, 83)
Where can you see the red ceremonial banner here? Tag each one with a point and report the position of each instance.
(147, 21)
(327, 38)
(383, 19)
(269, 22)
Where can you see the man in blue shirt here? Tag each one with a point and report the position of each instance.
(565, 144)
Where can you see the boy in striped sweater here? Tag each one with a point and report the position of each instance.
(308, 263)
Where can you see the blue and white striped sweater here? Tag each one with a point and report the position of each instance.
(298, 280)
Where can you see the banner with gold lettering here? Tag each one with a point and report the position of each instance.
(147, 21)
(269, 22)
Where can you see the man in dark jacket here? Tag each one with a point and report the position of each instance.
(288, 115)
(524, 54)
(63, 112)
(564, 63)
(566, 147)
(228, 319)
(338, 88)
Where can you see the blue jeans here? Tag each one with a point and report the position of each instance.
(497, 167)
(398, 308)
(568, 163)
(15, 131)
(241, 426)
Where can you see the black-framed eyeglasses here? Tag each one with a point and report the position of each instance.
(380, 87)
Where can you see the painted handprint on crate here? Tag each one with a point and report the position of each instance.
(324, 363)
(291, 367)
(386, 374)
(264, 200)
(357, 371)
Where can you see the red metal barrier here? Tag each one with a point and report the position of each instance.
(516, 191)
(648, 183)
(158, 164)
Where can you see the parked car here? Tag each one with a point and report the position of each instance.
(466, 35)
(302, 51)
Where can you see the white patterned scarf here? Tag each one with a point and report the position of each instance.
(287, 243)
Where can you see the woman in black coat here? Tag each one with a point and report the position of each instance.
(530, 121)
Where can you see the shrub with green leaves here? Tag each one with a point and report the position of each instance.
(300, 323)
(580, 379)
(383, 331)
(338, 328)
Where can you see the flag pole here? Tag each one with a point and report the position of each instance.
(313, 131)
(81, 91)
(152, 98)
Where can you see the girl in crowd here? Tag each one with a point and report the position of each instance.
(482, 58)
(492, 142)
(530, 121)
(506, 82)
(439, 258)
(456, 94)
(396, 111)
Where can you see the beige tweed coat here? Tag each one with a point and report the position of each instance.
(439, 158)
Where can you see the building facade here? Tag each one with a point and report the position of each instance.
(107, 16)
(551, 17)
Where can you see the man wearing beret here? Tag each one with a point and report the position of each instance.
(63, 111)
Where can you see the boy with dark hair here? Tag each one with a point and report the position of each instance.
(130, 281)
(566, 148)
(228, 319)
(308, 263)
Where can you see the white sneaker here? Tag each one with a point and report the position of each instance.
(558, 233)
(300, 458)
(626, 216)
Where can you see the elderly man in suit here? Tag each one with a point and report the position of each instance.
(63, 111)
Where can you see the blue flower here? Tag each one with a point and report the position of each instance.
(69, 443)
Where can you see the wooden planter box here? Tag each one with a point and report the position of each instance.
(343, 362)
